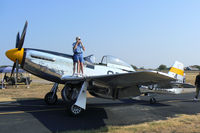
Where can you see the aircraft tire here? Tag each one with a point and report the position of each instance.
(64, 94)
(69, 94)
(152, 100)
(49, 100)
(74, 110)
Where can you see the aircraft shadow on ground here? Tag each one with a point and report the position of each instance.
(60, 120)
(127, 102)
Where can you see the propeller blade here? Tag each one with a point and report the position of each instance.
(13, 68)
(21, 42)
(17, 40)
(17, 68)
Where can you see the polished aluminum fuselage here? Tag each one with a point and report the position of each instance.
(53, 65)
(46, 64)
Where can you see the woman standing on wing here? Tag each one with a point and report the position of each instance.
(78, 49)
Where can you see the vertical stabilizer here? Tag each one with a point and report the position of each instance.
(177, 71)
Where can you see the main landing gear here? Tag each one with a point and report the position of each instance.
(69, 95)
(51, 97)
(75, 97)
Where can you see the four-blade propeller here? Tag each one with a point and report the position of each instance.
(19, 45)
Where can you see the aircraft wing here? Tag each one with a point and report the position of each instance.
(133, 78)
(125, 84)
(126, 79)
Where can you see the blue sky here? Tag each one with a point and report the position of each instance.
(142, 32)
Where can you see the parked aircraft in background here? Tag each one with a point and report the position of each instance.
(111, 78)
(22, 76)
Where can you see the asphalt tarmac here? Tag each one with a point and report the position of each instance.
(33, 116)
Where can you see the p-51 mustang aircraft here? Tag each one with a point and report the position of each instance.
(112, 78)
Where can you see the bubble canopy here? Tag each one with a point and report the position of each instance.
(108, 59)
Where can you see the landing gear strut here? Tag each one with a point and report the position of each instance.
(51, 97)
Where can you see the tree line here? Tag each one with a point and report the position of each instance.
(161, 67)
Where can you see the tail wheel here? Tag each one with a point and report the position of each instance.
(50, 99)
(152, 100)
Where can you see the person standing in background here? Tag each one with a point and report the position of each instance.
(197, 84)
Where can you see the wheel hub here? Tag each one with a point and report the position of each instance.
(75, 109)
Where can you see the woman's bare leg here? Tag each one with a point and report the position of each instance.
(74, 67)
(81, 64)
(78, 67)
